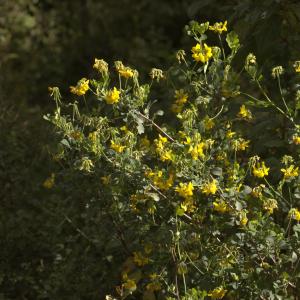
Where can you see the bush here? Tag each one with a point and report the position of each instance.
(204, 205)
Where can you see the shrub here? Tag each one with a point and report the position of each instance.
(198, 200)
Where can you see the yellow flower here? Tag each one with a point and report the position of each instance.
(243, 218)
(180, 96)
(210, 187)
(106, 179)
(112, 96)
(201, 53)
(130, 285)
(176, 108)
(180, 99)
(117, 147)
(180, 55)
(244, 113)
(296, 140)
(294, 213)
(49, 182)
(260, 170)
(297, 66)
(290, 172)
(197, 150)
(76, 135)
(185, 190)
(188, 140)
(217, 293)
(124, 128)
(158, 180)
(157, 74)
(151, 209)
(101, 66)
(208, 123)
(81, 88)
(219, 27)
(93, 136)
(139, 259)
(166, 155)
(230, 134)
(123, 71)
(126, 72)
(160, 142)
(270, 205)
(220, 206)
(241, 144)
(188, 205)
(257, 191)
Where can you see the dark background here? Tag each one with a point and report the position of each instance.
(53, 43)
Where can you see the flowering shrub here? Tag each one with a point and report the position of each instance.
(202, 198)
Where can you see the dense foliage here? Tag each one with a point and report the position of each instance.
(206, 206)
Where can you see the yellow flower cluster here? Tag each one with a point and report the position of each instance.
(139, 259)
(210, 188)
(208, 123)
(185, 190)
(243, 218)
(297, 66)
(201, 53)
(294, 213)
(165, 155)
(290, 172)
(160, 142)
(188, 205)
(117, 147)
(49, 182)
(125, 72)
(81, 88)
(112, 96)
(196, 147)
(196, 151)
(180, 99)
(76, 135)
(219, 27)
(220, 206)
(241, 144)
(217, 293)
(296, 140)
(230, 134)
(157, 74)
(93, 136)
(101, 66)
(129, 285)
(260, 170)
(244, 113)
(270, 204)
(257, 191)
(159, 181)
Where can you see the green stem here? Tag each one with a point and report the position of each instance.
(281, 94)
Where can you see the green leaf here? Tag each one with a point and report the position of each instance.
(154, 196)
(65, 143)
(140, 128)
(217, 171)
(294, 257)
(179, 211)
(233, 41)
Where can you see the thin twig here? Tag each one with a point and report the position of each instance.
(156, 126)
